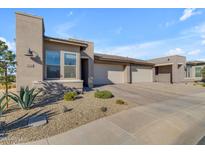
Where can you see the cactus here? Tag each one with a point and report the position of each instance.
(26, 97)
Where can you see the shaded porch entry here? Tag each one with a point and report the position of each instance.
(163, 73)
(84, 71)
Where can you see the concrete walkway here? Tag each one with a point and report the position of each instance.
(177, 121)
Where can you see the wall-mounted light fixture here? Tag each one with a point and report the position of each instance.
(29, 53)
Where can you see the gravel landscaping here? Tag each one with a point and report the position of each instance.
(62, 116)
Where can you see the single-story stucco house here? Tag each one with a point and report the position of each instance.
(73, 63)
(193, 70)
(69, 62)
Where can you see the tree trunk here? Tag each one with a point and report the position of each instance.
(6, 85)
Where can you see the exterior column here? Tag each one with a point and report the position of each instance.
(78, 65)
(127, 73)
(29, 36)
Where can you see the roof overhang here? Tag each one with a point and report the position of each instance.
(195, 63)
(164, 64)
(123, 61)
(64, 41)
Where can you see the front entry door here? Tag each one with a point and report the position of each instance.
(84, 72)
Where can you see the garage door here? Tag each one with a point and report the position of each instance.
(164, 73)
(108, 74)
(142, 74)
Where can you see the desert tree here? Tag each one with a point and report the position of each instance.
(7, 67)
(203, 74)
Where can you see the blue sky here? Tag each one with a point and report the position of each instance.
(138, 33)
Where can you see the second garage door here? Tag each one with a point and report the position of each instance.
(141, 74)
(108, 74)
(164, 73)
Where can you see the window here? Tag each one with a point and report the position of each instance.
(52, 64)
(197, 71)
(188, 71)
(69, 65)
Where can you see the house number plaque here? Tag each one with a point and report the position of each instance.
(30, 65)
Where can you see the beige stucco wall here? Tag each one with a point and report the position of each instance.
(178, 66)
(29, 34)
(127, 74)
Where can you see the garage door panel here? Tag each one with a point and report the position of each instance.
(166, 77)
(164, 74)
(142, 74)
(108, 74)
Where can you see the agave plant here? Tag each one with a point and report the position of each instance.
(2, 106)
(26, 97)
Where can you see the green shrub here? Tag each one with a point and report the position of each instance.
(105, 94)
(203, 84)
(70, 96)
(26, 97)
(120, 101)
(203, 73)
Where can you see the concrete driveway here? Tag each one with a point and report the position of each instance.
(165, 114)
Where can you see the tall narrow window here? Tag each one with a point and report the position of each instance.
(52, 64)
(69, 65)
(188, 71)
(197, 71)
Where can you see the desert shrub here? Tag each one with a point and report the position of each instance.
(203, 74)
(203, 84)
(26, 97)
(103, 109)
(120, 101)
(105, 94)
(70, 96)
(12, 85)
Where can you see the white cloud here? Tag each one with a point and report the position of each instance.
(188, 13)
(203, 39)
(176, 51)
(180, 51)
(200, 30)
(202, 59)
(70, 13)
(11, 45)
(194, 52)
(203, 42)
(132, 50)
(197, 33)
(63, 30)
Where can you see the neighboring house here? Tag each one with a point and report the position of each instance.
(42, 59)
(169, 69)
(193, 70)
